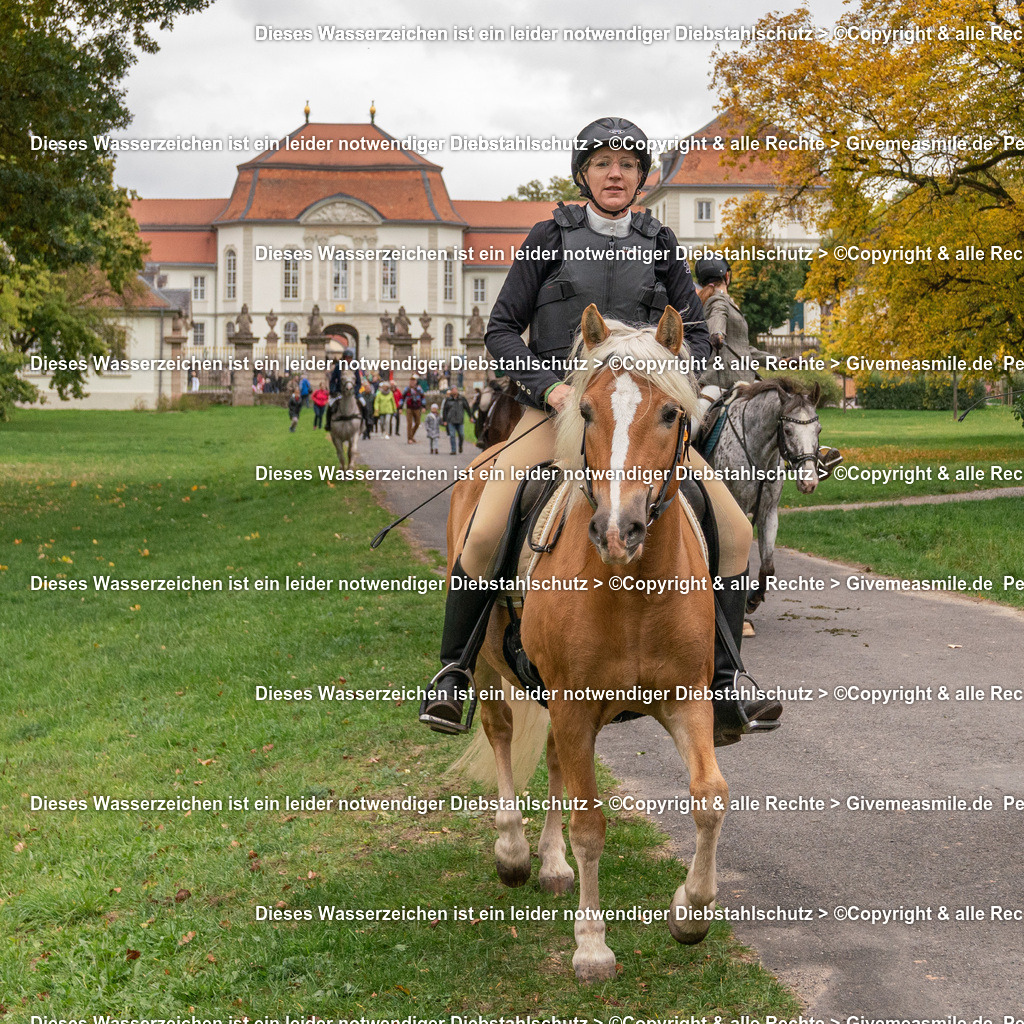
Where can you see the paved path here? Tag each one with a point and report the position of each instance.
(919, 499)
(830, 749)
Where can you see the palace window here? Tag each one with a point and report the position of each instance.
(704, 210)
(199, 334)
(291, 332)
(291, 279)
(199, 287)
(389, 279)
(479, 289)
(339, 279)
(449, 279)
(230, 274)
(449, 336)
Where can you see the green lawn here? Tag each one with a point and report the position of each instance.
(142, 695)
(965, 539)
(880, 439)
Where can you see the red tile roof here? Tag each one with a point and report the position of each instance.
(493, 249)
(504, 213)
(181, 246)
(283, 184)
(718, 167)
(176, 212)
(284, 193)
(343, 146)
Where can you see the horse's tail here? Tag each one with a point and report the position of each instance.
(529, 735)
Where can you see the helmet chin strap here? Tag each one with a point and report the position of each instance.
(612, 213)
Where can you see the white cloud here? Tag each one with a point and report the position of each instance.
(212, 79)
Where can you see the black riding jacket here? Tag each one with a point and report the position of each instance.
(517, 304)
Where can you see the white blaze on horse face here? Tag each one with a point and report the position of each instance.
(626, 400)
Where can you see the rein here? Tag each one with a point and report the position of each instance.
(790, 459)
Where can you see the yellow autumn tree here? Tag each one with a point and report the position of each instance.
(910, 132)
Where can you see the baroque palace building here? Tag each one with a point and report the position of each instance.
(298, 250)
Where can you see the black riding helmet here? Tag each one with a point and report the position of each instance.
(618, 133)
(711, 270)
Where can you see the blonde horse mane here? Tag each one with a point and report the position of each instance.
(637, 342)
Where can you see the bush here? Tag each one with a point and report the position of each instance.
(831, 386)
(919, 392)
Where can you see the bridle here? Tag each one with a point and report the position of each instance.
(658, 505)
(791, 460)
(794, 460)
(349, 385)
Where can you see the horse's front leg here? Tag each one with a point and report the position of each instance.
(555, 873)
(593, 960)
(691, 726)
(767, 531)
(511, 850)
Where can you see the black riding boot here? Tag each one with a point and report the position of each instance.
(748, 713)
(442, 711)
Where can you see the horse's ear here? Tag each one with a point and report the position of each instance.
(670, 330)
(815, 395)
(595, 330)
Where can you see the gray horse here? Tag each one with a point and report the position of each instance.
(769, 426)
(345, 420)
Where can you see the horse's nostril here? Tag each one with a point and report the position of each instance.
(593, 532)
(635, 534)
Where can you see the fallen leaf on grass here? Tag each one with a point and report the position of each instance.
(181, 895)
(132, 954)
(186, 938)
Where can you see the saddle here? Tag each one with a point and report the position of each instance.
(710, 428)
(534, 527)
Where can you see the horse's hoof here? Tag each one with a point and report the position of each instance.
(753, 603)
(594, 966)
(557, 883)
(684, 925)
(512, 860)
(513, 875)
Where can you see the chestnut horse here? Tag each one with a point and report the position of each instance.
(591, 645)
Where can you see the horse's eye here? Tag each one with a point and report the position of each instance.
(669, 414)
(587, 413)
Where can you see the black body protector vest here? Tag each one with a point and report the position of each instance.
(622, 289)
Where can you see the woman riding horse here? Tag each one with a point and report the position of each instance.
(548, 294)
(735, 358)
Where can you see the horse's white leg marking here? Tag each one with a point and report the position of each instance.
(511, 850)
(555, 873)
(711, 796)
(593, 960)
(625, 401)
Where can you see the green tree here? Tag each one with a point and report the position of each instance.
(557, 188)
(68, 241)
(875, 119)
(763, 289)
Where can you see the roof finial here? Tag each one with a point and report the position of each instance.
(373, 112)
(306, 111)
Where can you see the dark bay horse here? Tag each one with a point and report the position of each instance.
(616, 645)
(495, 412)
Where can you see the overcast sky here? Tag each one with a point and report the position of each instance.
(212, 78)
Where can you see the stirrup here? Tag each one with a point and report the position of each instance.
(443, 724)
(728, 733)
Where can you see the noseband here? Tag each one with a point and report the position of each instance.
(655, 506)
(794, 459)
